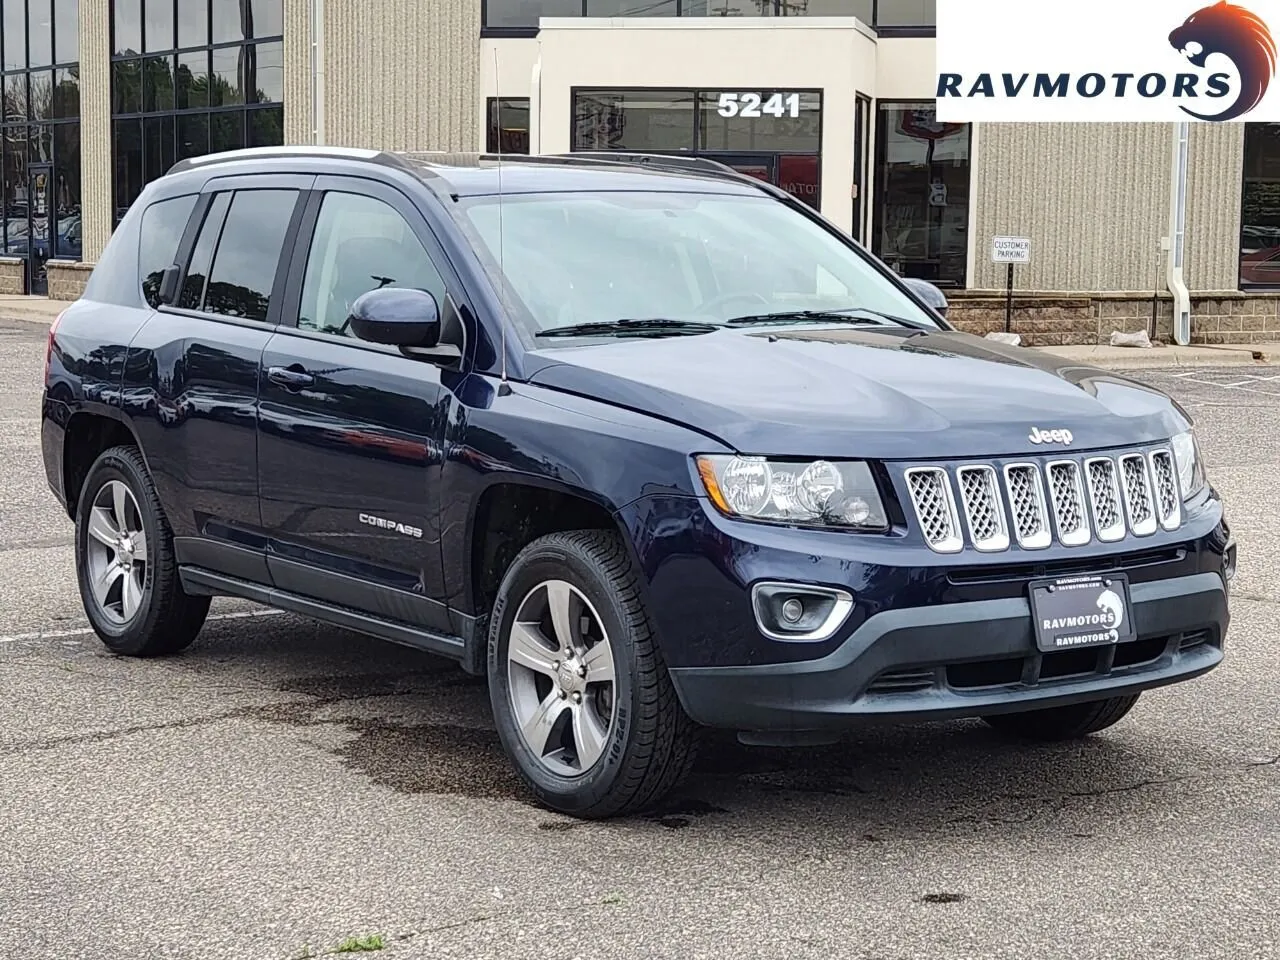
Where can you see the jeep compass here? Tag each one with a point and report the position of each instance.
(650, 445)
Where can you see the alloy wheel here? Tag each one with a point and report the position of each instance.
(117, 554)
(561, 678)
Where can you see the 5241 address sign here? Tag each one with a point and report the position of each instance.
(753, 105)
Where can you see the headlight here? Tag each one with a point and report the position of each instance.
(1186, 455)
(821, 493)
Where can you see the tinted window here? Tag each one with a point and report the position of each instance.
(525, 13)
(1260, 214)
(198, 270)
(360, 244)
(244, 268)
(922, 193)
(162, 227)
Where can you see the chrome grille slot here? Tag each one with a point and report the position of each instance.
(1026, 503)
(1165, 483)
(935, 508)
(983, 508)
(1066, 495)
(1138, 500)
(1104, 497)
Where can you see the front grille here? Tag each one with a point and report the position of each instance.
(1035, 504)
(1137, 495)
(980, 494)
(1166, 490)
(935, 508)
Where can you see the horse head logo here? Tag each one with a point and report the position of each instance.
(1238, 34)
(1113, 608)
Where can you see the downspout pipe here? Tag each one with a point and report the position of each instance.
(535, 106)
(1178, 235)
(317, 72)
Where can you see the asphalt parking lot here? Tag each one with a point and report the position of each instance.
(283, 787)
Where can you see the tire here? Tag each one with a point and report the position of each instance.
(160, 619)
(1064, 723)
(648, 745)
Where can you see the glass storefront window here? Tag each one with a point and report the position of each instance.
(221, 90)
(772, 135)
(922, 196)
(1260, 207)
(508, 127)
(632, 8)
(524, 14)
(774, 121)
(906, 13)
(639, 120)
(40, 134)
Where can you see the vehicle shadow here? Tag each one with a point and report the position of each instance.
(417, 725)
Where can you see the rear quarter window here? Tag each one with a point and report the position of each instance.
(163, 224)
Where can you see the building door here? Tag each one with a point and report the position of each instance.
(40, 232)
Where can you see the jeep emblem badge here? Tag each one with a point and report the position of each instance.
(1063, 437)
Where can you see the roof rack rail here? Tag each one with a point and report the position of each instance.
(304, 151)
(660, 161)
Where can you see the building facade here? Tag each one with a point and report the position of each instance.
(829, 99)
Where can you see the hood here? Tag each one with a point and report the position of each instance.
(887, 394)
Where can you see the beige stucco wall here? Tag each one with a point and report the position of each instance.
(96, 165)
(1093, 198)
(398, 74)
(1213, 207)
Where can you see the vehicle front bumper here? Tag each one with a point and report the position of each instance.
(964, 660)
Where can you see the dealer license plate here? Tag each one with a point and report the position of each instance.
(1082, 611)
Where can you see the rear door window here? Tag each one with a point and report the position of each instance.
(248, 256)
(192, 297)
(163, 224)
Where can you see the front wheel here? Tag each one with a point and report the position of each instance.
(581, 695)
(1064, 723)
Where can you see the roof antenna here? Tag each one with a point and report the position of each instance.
(504, 388)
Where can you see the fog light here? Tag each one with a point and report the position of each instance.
(1229, 562)
(799, 613)
(792, 611)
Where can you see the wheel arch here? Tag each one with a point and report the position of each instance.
(87, 435)
(510, 513)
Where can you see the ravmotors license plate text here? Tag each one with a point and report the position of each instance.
(1084, 611)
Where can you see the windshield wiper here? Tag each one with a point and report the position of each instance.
(858, 315)
(655, 326)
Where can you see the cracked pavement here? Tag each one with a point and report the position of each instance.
(284, 786)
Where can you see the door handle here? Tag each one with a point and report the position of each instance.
(292, 377)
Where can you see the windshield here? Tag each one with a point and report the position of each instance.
(583, 258)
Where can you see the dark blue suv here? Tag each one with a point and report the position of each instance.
(649, 444)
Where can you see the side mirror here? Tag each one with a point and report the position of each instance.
(397, 317)
(927, 292)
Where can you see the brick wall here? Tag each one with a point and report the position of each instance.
(1065, 320)
(67, 278)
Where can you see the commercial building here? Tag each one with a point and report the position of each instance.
(831, 99)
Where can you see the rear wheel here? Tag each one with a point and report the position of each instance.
(125, 564)
(581, 696)
(1064, 723)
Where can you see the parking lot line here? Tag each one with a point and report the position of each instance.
(86, 630)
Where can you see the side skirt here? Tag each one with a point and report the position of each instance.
(198, 581)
